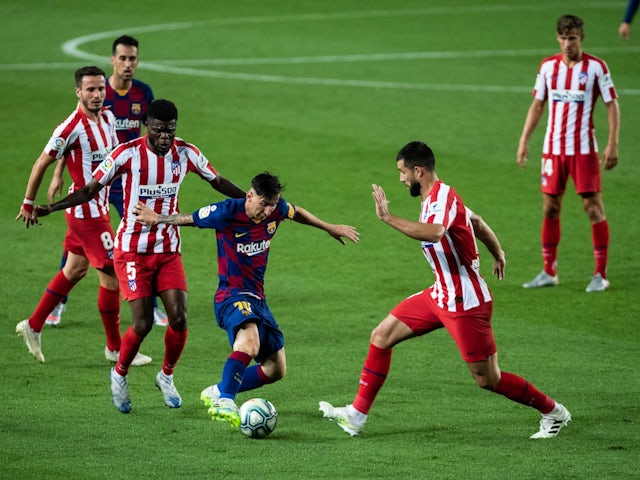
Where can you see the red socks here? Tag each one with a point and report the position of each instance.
(374, 373)
(174, 342)
(600, 237)
(128, 350)
(109, 307)
(550, 239)
(519, 390)
(57, 289)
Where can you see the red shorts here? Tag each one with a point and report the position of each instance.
(92, 238)
(145, 275)
(471, 330)
(583, 169)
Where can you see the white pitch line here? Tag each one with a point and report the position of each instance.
(72, 48)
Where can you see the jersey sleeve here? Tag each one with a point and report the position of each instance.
(109, 168)
(286, 209)
(605, 84)
(198, 163)
(61, 138)
(212, 216)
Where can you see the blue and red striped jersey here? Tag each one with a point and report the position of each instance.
(243, 245)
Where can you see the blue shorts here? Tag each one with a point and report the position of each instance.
(238, 309)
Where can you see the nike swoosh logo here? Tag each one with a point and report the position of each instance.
(238, 235)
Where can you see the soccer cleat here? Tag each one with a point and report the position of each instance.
(210, 395)
(225, 410)
(552, 422)
(543, 279)
(31, 338)
(120, 392)
(342, 418)
(160, 318)
(139, 359)
(597, 284)
(55, 317)
(172, 398)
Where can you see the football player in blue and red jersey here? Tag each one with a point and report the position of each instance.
(245, 228)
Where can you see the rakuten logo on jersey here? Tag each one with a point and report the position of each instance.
(567, 96)
(162, 190)
(127, 124)
(253, 248)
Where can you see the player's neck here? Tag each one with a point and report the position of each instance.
(428, 184)
(95, 116)
(119, 83)
(572, 61)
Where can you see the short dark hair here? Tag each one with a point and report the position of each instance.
(267, 185)
(127, 40)
(163, 110)
(88, 72)
(569, 22)
(417, 154)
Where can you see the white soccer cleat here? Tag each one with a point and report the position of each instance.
(138, 360)
(552, 422)
(55, 317)
(597, 284)
(543, 279)
(341, 416)
(31, 338)
(120, 392)
(172, 398)
(160, 318)
(210, 395)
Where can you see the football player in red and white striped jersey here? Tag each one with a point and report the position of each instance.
(147, 259)
(571, 82)
(83, 141)
(459, 300)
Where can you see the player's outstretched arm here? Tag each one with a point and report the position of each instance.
(429, 232)
(486, 235)
(82, 195)
(148, 217)
(339, 232)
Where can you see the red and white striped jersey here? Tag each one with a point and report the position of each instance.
(454, 260)
(572, 94)
(84, 144)
(154, 181)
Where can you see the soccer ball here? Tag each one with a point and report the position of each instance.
(258, 418)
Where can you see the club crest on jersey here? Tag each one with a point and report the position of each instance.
(176, 168)
(582, 78)
(271, 228)
(136, 108)
(133, 286)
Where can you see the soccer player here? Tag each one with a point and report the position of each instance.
(83, 140)
(148, 260)
(244, 230)
(572, 81)
(624, 30)
(459, 300)
(128, 99)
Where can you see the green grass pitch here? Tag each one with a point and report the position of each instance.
(323, 94)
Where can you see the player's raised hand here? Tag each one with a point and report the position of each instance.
(382, 204)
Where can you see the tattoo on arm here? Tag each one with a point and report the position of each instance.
(177, 219)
